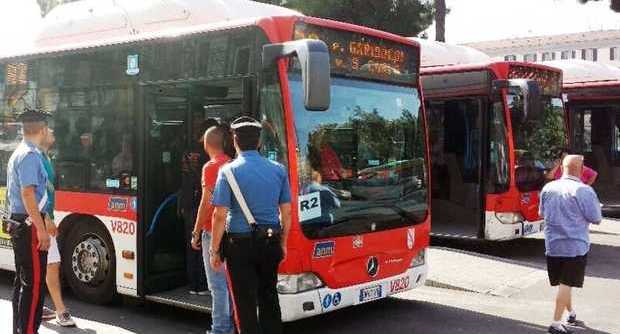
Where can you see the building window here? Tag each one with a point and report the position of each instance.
(566, 54)
(589, 54)
(548, 56)
(510, 58)
(613, 53)
(531, 57)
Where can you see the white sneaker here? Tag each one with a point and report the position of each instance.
(64, 319)
(48, 313)
(203, 293)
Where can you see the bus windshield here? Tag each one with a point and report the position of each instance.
(361, 163)
(538, 142)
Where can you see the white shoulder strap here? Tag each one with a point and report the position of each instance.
(43, 201)
(232, 181)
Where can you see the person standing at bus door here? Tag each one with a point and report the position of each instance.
(252, 251)
(569, 207)
(191, 164)
(588, 176)
(27, 198)
(52, 278)
(215, 142)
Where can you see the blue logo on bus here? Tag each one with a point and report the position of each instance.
(324, 249)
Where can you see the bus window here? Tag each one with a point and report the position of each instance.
(498, 175)
(363, 159)
(271, 115)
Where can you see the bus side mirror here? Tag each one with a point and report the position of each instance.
(532, 98)
(498, 85)
(313, 58)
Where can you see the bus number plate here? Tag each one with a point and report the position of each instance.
(370, 293)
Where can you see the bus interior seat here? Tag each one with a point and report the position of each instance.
(601, 164)
(457, 186)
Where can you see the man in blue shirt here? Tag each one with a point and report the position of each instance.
(569, 207)
(27, 198)
(253, 251)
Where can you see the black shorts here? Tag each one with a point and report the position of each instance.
(567, 270)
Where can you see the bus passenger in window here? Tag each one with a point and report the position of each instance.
(588, 176)
(123, 161)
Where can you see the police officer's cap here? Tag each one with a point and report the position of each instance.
(33, 116)
(245, 122)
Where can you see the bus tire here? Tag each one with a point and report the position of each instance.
(89, 263)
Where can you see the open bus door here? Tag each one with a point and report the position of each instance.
(175, 119)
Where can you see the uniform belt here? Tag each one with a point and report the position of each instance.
(21, 218)
(260, 231)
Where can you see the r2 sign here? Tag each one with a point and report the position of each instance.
(309, 206)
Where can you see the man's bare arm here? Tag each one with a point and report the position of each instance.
(285, 221)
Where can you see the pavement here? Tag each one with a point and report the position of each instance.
(473, 287)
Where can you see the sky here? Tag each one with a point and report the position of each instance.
(482, 20)
(18, 18)
(468, 21)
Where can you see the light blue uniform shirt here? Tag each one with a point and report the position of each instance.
(25, 169)
(569, 207)
(264, 185)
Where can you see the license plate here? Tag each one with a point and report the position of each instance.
(528, 229)
(370, 293)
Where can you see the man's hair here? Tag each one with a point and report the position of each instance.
(247, 133)
(216, 137)
(33, 128)
(247, 138)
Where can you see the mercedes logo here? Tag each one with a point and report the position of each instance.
(372, 266)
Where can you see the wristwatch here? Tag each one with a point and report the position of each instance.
(195, 234)
(213, 252)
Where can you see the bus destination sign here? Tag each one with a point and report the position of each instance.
(357, 55)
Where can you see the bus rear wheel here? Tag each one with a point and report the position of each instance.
(89, 263)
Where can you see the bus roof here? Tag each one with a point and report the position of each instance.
(439, 57)
(582, 73)
(92, 23)
(444, 54)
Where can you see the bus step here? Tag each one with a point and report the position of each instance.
(180, 297)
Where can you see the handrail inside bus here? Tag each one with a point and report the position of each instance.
(158, 212)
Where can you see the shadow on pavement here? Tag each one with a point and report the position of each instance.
(603, 260)
(407, 316)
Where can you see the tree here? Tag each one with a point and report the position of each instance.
(402, 17)
(615, 4)
(440, 20)
(47, 5)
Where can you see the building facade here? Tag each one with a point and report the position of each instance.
(600, 46)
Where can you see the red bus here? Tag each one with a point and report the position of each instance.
(592, 98)
(127, 84)
(495, 128)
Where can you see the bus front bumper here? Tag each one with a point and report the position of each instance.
(323, 300)
(498, 231)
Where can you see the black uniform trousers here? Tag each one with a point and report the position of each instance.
(252, 265)
(30, 270)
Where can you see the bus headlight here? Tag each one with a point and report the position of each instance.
(419, 259)
(288, 284)
(509, 217)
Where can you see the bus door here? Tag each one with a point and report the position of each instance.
(455, 128)
(596, 134)
(176, 117)
(166, 117)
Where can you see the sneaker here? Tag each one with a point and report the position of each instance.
(48, 314)
(554, 330)
(573, 321)
(65, 320)
(193, 292)
(203, 292)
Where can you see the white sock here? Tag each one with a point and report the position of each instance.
(558, 325)
(573, 313)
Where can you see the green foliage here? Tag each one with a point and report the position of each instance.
(402, 17)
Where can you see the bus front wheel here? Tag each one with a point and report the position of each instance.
(89, 263)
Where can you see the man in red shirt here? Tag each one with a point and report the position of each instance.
(215, 141)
